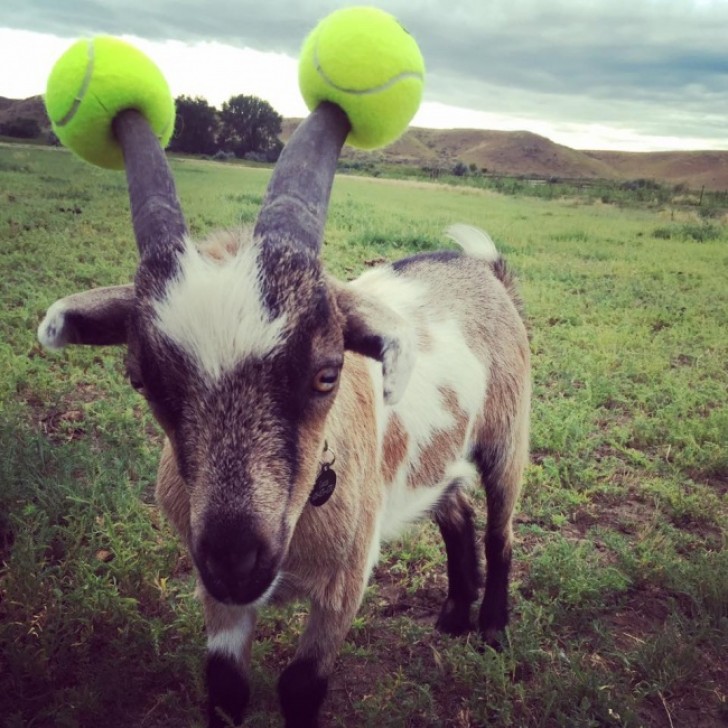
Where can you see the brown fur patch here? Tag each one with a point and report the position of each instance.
(172, 494)
(394, 446)
(222, 245)
(443, 445)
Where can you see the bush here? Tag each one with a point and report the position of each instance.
(701, 233)
(460, 169)
(222, 155)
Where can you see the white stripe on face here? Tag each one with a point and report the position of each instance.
(214, 311)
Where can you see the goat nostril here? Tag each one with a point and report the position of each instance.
(231, 569)
(245, 563)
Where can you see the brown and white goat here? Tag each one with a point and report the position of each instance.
(261, 369)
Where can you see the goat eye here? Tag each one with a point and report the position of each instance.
(326, 379)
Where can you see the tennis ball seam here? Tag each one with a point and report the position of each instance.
(363, 92)
(68, 116)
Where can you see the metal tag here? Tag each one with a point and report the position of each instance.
(323, 487)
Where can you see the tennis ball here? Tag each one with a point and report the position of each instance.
(364, 61)
(91, 83)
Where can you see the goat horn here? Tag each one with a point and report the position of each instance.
(297, 198)
(159, 225)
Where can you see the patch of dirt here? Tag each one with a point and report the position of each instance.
(628, 515)
(717, 481)
(65, 420)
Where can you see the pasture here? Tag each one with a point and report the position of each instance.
(620, 588)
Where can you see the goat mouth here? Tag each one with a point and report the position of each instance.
(235, 583)
(254, 592)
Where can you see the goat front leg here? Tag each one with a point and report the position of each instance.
(229, 640)
(303, 684)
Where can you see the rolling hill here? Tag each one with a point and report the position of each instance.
(519, 153)
(522, 153)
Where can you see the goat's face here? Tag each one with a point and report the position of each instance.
(240, 361)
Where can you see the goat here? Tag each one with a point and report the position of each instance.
(306, 419)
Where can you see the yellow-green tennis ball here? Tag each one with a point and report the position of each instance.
(91, 83)
(364, 61)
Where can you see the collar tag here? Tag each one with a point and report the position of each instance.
(323, 487)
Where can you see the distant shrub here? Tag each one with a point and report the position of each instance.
(640, 184)
(222, 155)
(460, 169)
(701, 232)
(255, 156)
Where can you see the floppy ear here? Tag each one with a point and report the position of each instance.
(96, 317)
(375, 330)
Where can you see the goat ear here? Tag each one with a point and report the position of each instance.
(96, 317)
(375, 330)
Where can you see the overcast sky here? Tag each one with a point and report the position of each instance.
(601, 74)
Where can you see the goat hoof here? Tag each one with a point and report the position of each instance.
(493, 639)
(301, 691)
(454, 618)
(228, 692)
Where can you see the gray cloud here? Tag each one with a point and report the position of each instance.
(658, 68)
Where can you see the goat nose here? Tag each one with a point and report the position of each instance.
(234, 565)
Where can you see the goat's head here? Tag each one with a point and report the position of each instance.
(238, 358)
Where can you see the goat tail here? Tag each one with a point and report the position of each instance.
(475, 242)
(478, 244)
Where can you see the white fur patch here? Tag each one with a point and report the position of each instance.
(404, 297)
(214, 311)
(231, 642)
(406, 505)
(448, 364)
(474, 241)
(50, 331)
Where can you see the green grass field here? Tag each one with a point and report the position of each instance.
(620, 592)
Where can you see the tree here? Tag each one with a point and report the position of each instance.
(196, 125)
(460, 169)
(249, 124)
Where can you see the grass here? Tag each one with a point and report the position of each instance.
(620, 594)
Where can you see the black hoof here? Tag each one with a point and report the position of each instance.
(301, 691)
(454, 618)
(228, 692)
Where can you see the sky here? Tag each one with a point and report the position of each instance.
(632, 75)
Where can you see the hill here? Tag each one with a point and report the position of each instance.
(693, 169)
(31, 108)
(522, 153)
(518, 153)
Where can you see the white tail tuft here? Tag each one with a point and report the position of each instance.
(474, 241)
(51, 329)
